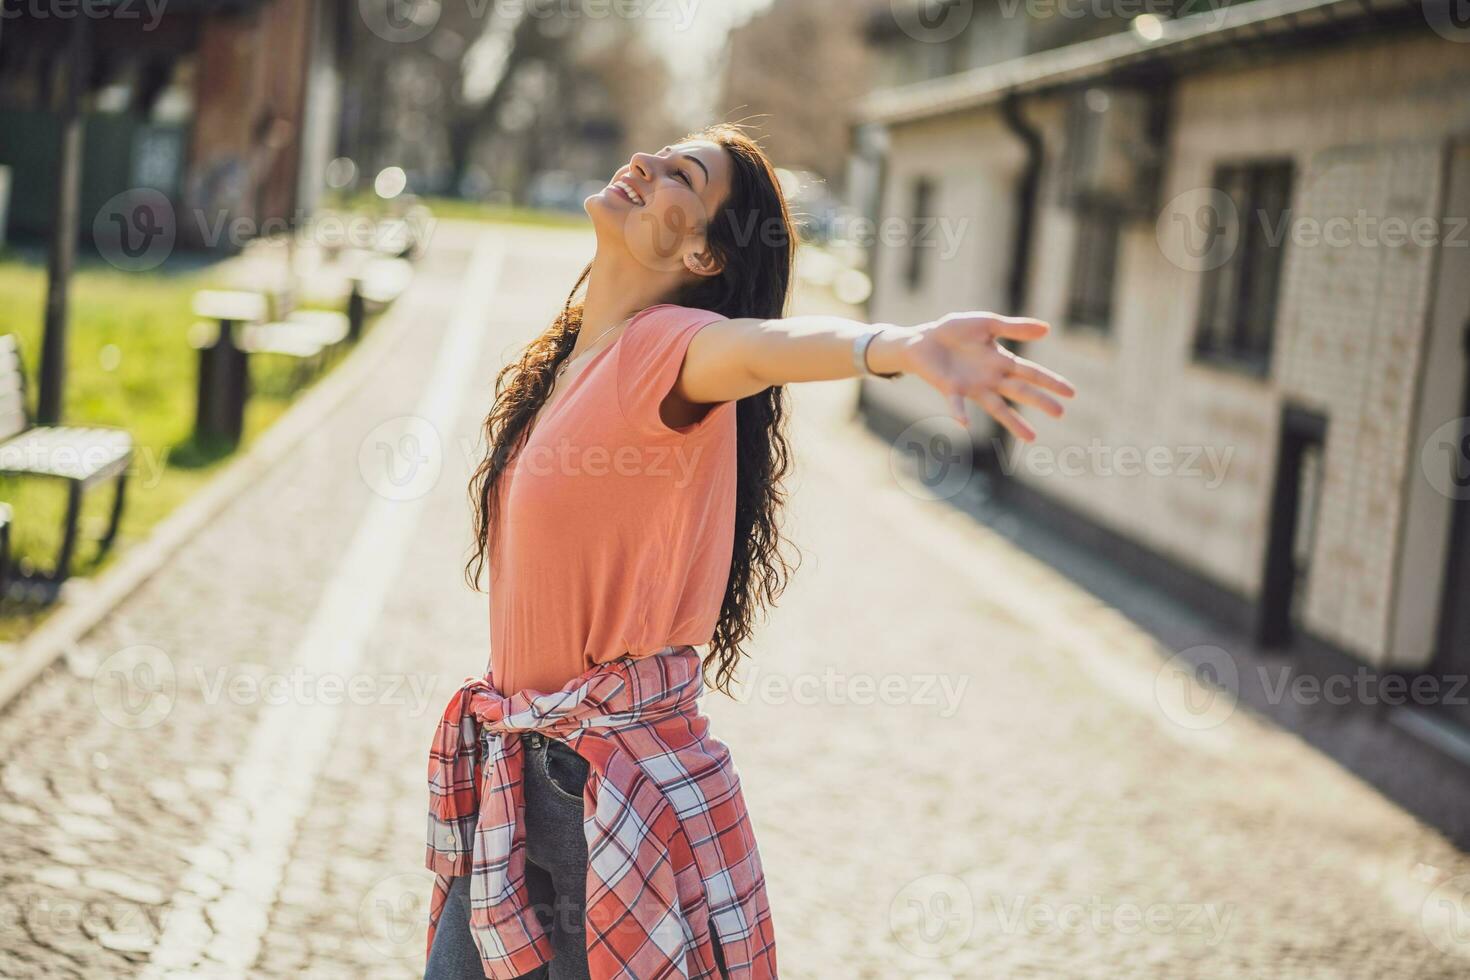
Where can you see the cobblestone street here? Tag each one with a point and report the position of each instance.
(959, 764)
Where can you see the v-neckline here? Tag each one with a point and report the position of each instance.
(568, 384)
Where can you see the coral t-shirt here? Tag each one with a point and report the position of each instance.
(615, 532)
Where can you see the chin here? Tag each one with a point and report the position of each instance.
(603, 204)
(607, 218)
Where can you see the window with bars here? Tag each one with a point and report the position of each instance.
(1238, 301)
(1094, 264)
(923, 205)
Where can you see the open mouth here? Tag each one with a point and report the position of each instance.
(626, 190)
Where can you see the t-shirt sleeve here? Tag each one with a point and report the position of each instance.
(650, 354)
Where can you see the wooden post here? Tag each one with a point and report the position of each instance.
(64, 218)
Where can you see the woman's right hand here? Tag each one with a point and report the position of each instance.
(961, 357)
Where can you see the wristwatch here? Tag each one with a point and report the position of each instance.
(860, 354)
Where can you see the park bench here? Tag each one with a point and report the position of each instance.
(84, 456)
(307, 335)
(376, 284)
(240, 323)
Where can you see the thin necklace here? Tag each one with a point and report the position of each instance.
(556, 377)
(564, 364)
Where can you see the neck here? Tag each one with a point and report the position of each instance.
(618, 287)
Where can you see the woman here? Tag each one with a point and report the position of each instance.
(583, 821)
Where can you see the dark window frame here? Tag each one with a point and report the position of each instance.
(923, 190)
(1236, 324)
(1097, 239)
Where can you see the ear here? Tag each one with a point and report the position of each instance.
(702, 263)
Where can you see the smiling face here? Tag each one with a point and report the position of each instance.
(657, 208)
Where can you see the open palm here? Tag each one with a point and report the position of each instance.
(961, 357)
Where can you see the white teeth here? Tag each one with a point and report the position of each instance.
(627, 188)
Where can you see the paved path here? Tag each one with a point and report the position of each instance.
(960, 765)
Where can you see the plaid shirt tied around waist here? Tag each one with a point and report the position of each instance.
(671, 853)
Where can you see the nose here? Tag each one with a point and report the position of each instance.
(642, 165)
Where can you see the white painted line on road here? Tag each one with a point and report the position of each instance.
(253, 829)
(85, 602)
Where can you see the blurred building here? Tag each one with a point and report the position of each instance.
(226, 107)
(1246, 226)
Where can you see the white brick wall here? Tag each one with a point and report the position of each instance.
(1351, 324)
(974, 162)
(1366, 125)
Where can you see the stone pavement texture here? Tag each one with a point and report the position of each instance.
(959, 764)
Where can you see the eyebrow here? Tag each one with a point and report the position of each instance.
(695, 160)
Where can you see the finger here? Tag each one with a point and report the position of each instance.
(1018, 328)
(1033, 373)
(957, 409)
(1024, 394)
(1006, 416)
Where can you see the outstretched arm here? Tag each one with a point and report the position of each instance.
(958, 355)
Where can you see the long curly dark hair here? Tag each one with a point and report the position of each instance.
(752, 235)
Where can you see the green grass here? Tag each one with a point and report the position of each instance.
(457, 209)
(448, 208)
(129, 364)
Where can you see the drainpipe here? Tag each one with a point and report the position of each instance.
(1027, 190)
(871, 143)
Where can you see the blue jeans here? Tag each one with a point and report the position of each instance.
(556, 873)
